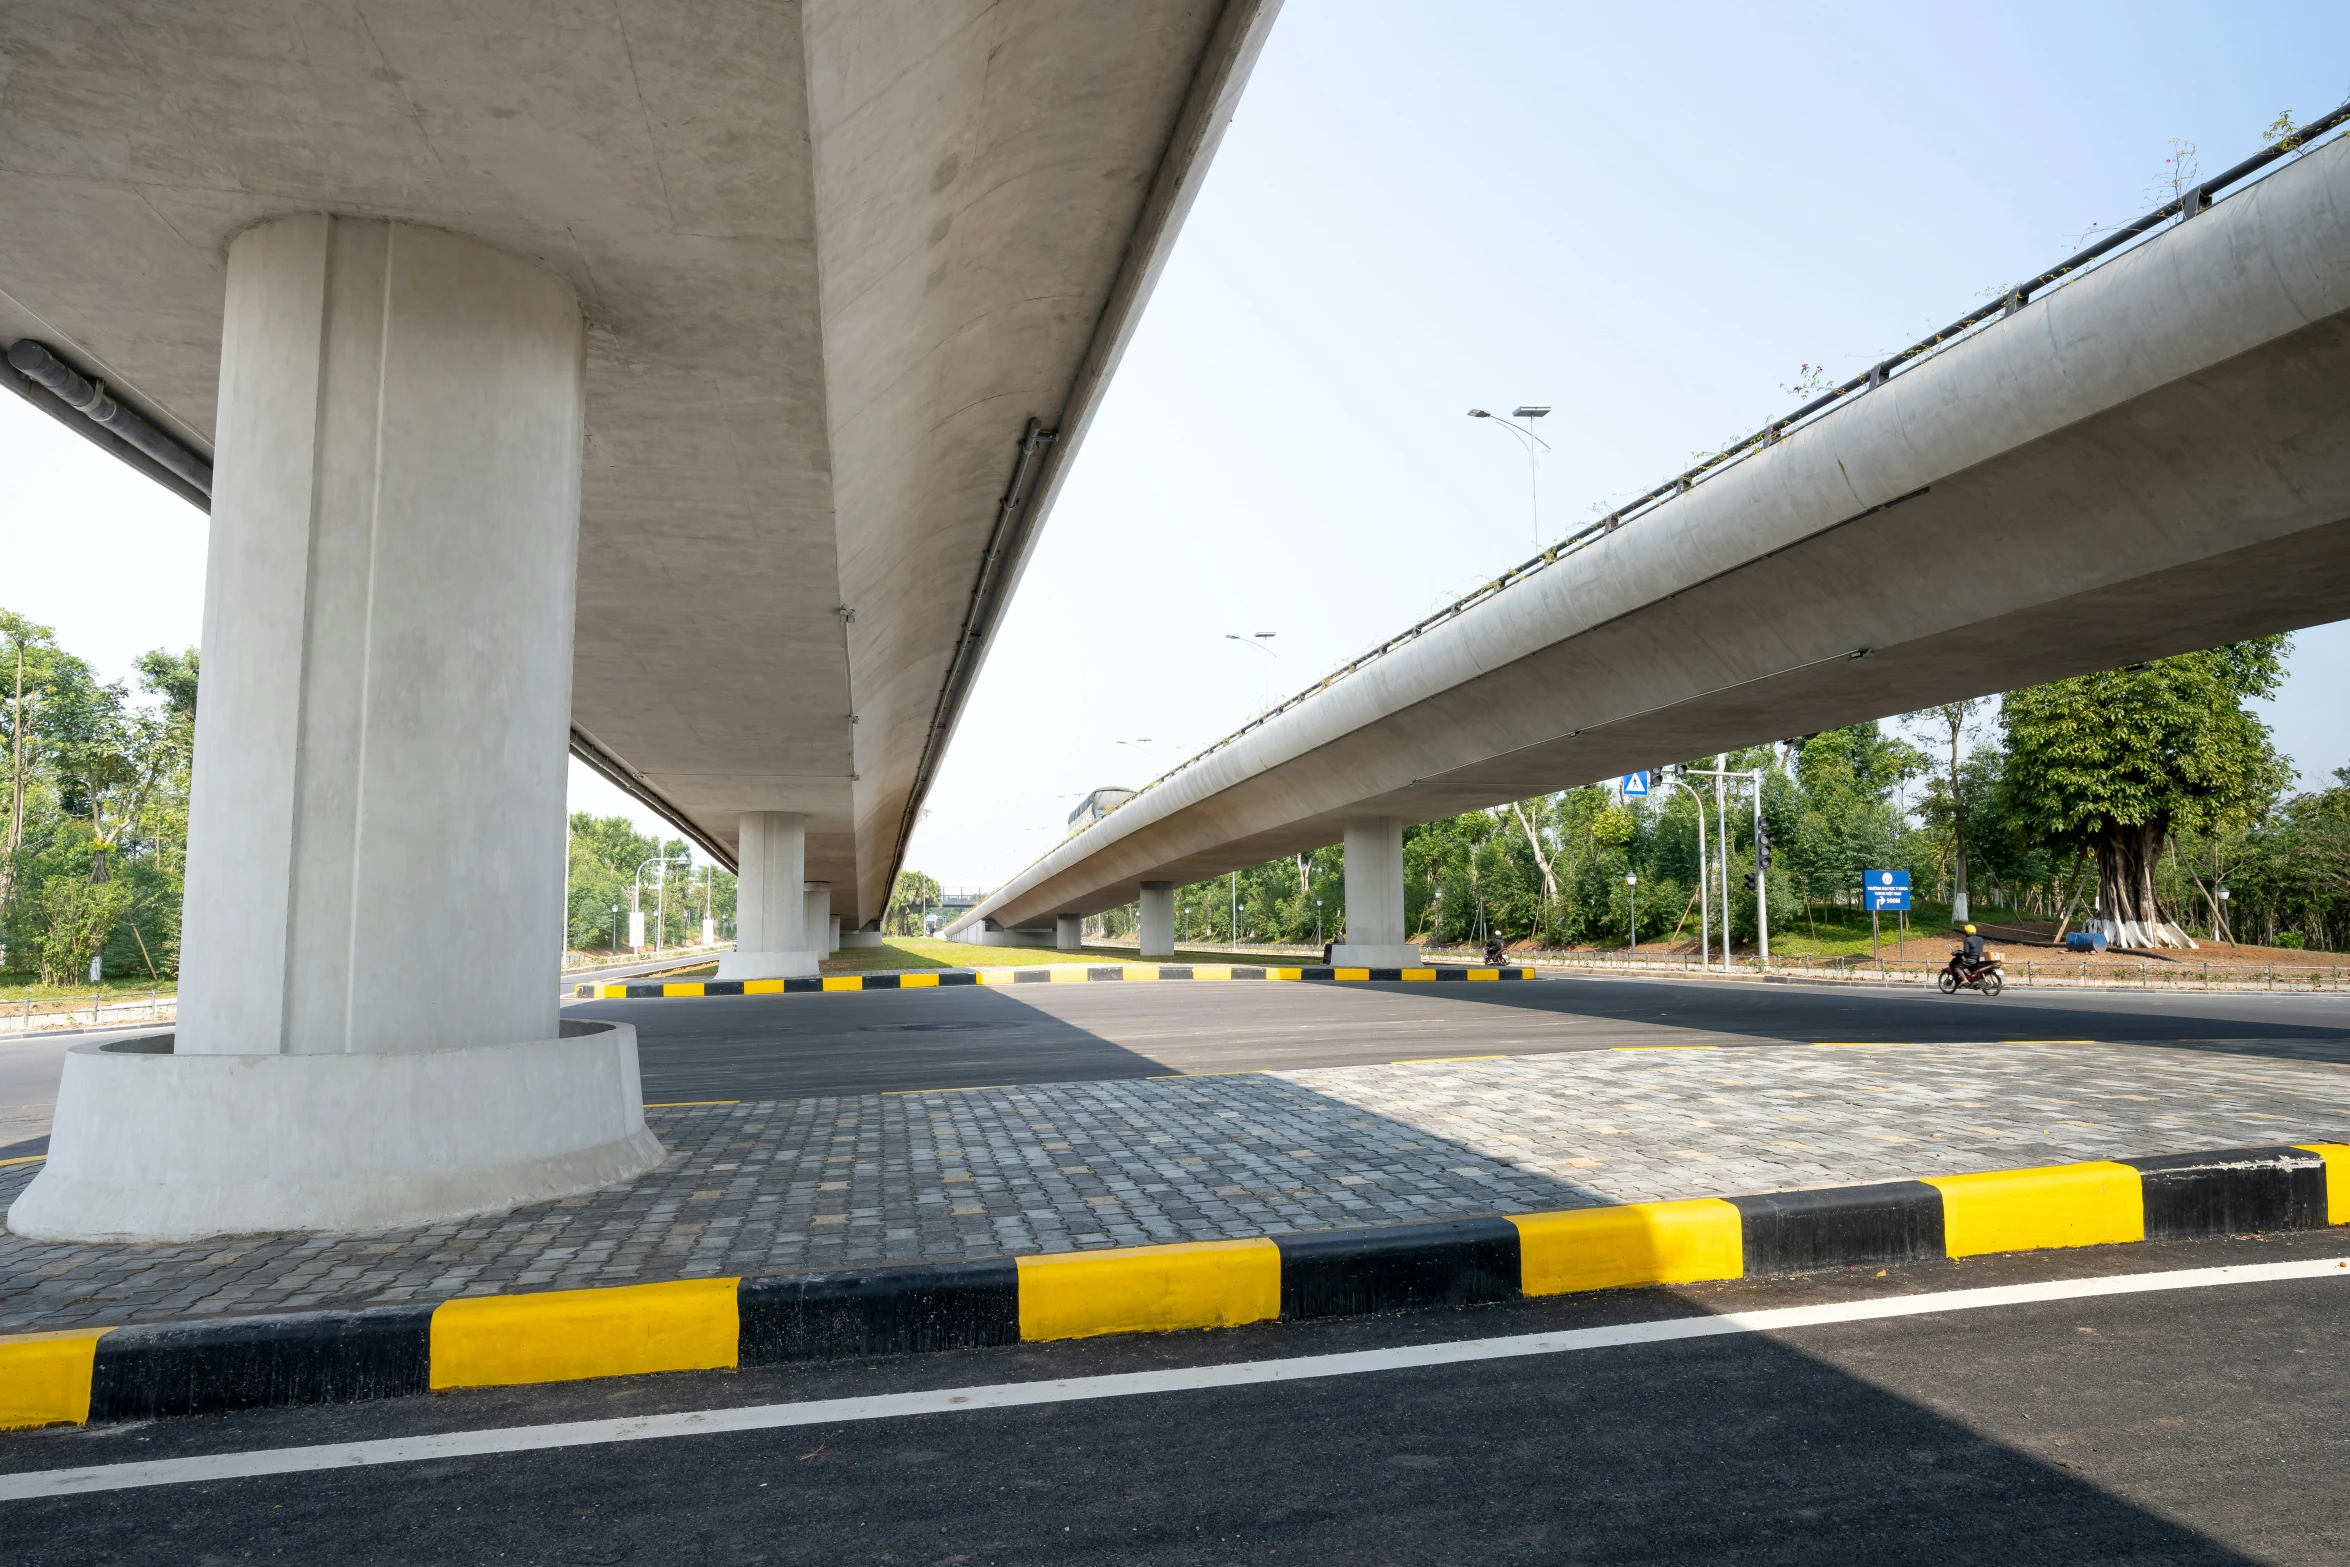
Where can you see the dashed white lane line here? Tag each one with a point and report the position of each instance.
(1012, 1395)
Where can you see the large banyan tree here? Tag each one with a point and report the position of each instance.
(2115, 762)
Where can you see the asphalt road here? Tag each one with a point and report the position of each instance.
(779, 1047)
(2190, 1426)
(782, 1047)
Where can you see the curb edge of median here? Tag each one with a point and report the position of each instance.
(147, 1370)
(1052, 973)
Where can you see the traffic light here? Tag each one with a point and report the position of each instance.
(1750, 881)
(1762, 845)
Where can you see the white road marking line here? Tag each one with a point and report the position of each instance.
(1012, 1395)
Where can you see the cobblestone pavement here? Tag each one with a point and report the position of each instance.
(811, 1183)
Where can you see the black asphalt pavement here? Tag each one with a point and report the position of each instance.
(783, 1047)
(2194, 1426)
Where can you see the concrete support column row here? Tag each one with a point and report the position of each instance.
(771, 926)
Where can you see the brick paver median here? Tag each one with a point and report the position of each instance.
(775, 1186)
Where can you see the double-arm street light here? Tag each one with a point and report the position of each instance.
(1259, 641)
(1535, 446)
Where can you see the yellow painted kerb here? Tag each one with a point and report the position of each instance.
(564, 1335)
(45, 1377)
(917, 981)
(1149, 1289)
(2030, 1210)
(1638, 1243)
(2337, 1158)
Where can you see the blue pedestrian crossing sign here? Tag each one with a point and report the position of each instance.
(1887, 890)
(1635, 783)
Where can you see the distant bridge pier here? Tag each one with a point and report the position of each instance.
(816, 917)
(1374, 897)
(368, 1033)
(1158, 919)
(771, 937)
(1069, 932)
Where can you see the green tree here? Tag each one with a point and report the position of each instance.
(914, 894)
(2118, 761)
(77, 916)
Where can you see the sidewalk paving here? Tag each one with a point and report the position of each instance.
(780, 1186)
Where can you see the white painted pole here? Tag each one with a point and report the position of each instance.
(1762, 901)
(1722, 823)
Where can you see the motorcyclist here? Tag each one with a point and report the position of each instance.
(1971, 949)
(1493, 948)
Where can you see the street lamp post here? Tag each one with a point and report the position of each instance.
(636, 896)
(1675, 774)
(1535, 445)
(1632, 891)
(1258, 640)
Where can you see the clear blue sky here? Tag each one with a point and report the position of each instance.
(1649, 217)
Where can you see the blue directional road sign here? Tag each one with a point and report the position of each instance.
(1635, 783)
(1887, 890)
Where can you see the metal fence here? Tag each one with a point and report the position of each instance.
(35, 1017)
(2054, 972)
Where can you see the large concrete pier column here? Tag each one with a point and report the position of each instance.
(1374, 897)
(1158, 919)
(367, 1033)
(770, 899)
(1069, 932)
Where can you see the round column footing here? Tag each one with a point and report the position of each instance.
(154, 1146)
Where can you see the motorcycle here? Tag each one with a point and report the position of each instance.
(1982, 974)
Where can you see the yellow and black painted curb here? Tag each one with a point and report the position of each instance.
(86, 1374)
(1049, 974)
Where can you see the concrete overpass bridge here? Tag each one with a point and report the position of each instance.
(2110, 465)
(680, 385)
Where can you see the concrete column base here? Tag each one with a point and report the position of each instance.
(767, 965)
(863, 938)
(1025, 936)
(1069, 932)
(154, 1146)
(1383, 955)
